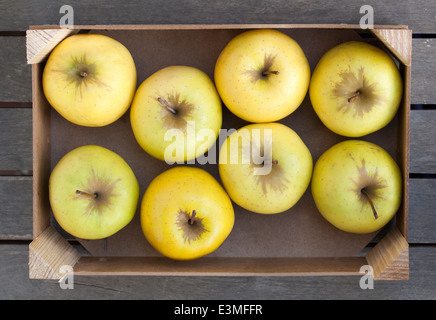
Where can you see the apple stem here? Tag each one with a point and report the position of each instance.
(265, 73)
(92, 195)
(166, 105)
(374, 211)
(191, 219)
(83, 74)
(354, 96)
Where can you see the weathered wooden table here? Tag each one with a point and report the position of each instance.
(16, 148)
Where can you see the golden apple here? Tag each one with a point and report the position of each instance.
(170, 111)
(262, 75)
(265, 168)
(90, 79)
(357, 186)
(356, 89)
(186, 214)
(93, 192)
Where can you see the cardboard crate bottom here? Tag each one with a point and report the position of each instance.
(50, 251)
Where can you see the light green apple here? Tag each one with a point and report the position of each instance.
(176, 114)
(357, 186)
(356, 89)
(93, 192)
(265, 167)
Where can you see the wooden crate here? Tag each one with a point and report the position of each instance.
(49, 250)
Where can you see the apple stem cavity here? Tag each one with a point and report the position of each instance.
(354, 96)
(374, 211)
(91, 195)
(164, 103)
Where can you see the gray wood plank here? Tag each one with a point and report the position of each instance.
(15, 73)
(422, 217)
(423, 67)
(16, 139)
(19, 14)
(16, 285)
(16, 208)
(422, 141)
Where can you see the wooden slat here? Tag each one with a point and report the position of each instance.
(16, 139)
(16, 285)
(423, 141)
(423, 67)
(18, 15)
(15, 74)
(422, 217)
(16, 208)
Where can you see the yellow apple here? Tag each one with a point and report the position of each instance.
(185, 213)
(357, 186)
(265, 168)
(262, 75)
(170, 111)
(356, 89)
(93, 192)
(90, 79)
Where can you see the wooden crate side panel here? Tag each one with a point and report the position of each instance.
(41, 154)
(290, 266)
(160, 266)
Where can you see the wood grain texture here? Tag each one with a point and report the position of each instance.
(39, 43)
(17, 285)
(422, 141)
(15, 208)
(15, 74)
(390, 257)
(18, 15)
(16, 139)
(422, 217)
(399, 42)
(49, 253)
(423, 67)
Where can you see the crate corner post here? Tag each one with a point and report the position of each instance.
(390, 257)
(398, 41)
(40, 42)
(49, 253)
